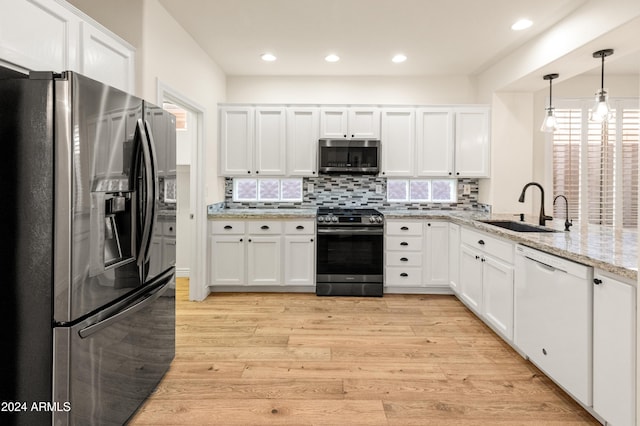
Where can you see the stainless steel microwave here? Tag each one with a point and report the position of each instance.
(349, 156)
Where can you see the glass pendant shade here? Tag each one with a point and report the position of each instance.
(601, 110)
(550, 124)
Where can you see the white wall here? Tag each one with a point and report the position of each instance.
(351, 90)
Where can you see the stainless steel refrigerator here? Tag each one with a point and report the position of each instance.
(87, 303)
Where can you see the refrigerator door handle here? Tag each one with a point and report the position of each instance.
(150, 195)
(145, 301)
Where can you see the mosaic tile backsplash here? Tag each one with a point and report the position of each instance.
(358, 191)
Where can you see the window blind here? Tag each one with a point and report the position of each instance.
(604, 190)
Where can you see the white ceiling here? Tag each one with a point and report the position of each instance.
(440, 37)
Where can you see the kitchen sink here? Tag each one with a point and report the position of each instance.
(517, 226)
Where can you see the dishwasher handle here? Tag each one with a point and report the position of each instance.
(545, 266)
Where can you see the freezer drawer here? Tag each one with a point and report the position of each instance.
(106, 369)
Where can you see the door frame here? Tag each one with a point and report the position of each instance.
(198, 289)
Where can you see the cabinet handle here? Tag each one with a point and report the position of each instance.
(428, 224)
(345, 136)
(249, 239)
(483, 260)
(257, 171)
(312, 240)
(171, 229)
(597, 281)
(313, 172)
(457, 173)
(299, 227)
(544, 351)
(404, 274)
(249, 171)
(450, 173)
(264, 227)
(241, 239)
(404, 228)
(477, 257)
(481, 242)
(404, 243)
(404, 259)
(228, 227)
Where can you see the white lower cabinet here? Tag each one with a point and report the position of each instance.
(454, 257)
(486, 279)
(614, 349)
(262, 253)
(403, 254)
(436, 270)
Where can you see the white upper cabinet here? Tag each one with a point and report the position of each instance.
(47, 35)
(398, 141)
(349, 123)
(270, 141)
(302, 141)
(236, 141)
(472, 142)
(435, 141)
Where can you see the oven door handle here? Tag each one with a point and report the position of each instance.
(351, 230)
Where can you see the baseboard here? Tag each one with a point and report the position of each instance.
(182, 272)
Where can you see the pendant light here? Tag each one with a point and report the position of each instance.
(549, 125)
(601, 110)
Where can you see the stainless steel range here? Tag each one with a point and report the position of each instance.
(349, 252)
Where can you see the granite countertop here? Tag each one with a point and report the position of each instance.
(592, 245)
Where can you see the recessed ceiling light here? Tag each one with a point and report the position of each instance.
(268, 57)
(332, 58)
(522, 24)
(399, 58)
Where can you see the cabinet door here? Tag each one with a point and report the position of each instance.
(39, 35)
(227, 260)
(364, 123)
(437, 254)
(263, 260)
(333, 123)
(472, 142)
(398, 142)
(614, 349)
(454, 256)
(270, 141)
(236, 141)
(497, 295)
(299, 260)
(106, 59)
(168, 251)
(302, 141)
(471, 278)
(434, 142)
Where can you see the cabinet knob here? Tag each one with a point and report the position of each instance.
(249, 239)
(344, 136)
(313, 172)
(249, 171)
(241, 239)
(597, 281)
(477, 257)
(404, 274)
(544, 351)
(257, 171)
(450, 173)
(404, 228)
(312, 240)
(457, 173)
(428, 224)
(171, 228)
(481, 242)
(264, 227)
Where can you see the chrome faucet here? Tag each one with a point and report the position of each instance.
(567, 222)
(543, 217)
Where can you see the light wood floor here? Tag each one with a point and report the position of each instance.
(299, 359)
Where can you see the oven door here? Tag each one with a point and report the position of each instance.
(349, 254)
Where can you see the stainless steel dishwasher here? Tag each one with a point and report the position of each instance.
(553, 318)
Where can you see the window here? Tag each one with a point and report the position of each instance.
(267, 190)
(596, 165)
(180, 114)
(421, 190)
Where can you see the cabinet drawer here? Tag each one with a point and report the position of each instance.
(486, 243)
(397, 275)
(302, 227)
(169, 229)
(404, 228)
(404, 243)
(227, 227)
(264, 227)
(405, 259)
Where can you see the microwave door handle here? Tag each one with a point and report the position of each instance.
(149, 199)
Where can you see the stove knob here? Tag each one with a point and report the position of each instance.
(372, 219)
(378, 219)
(334, 219)
(320, 218)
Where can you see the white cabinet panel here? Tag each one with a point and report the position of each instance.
(471, 278)
(303, 126)
(472, 142)
(38, 35)
(270, 141)
(435, 142)
(398, 142)
(227, 260)
(236, 141)
(333, 123)
(299, 260)
(454, 257)
(497, 293)
(437, 254)
(614, 349)
(364, 123)
(105, 59)
(263, 260)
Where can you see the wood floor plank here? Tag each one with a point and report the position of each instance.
(276, 358)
